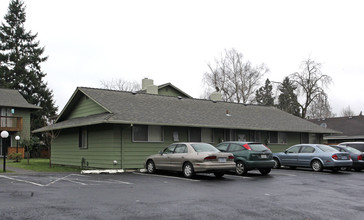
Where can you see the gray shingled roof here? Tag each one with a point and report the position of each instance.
(12, 98)
(136, 108)
(351, 127)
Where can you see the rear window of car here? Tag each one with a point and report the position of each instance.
(353, 150)
(356, 145)
(326, 148)
(204, 148)
(258, 147)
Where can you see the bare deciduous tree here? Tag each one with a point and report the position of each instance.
(347, 112)
(120, 84)
(310, 83)
(320, 108)
(235, 78)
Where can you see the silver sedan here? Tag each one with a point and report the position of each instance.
(191, 158)
(316, 156)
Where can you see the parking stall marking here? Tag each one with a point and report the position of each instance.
(69, 179)
(19, 180)
(170, 177)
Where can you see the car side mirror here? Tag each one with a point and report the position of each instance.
(161, 152)
(285, 152)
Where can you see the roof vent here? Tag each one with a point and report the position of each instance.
(227, 113)
(134, 93)
(179, 97)
(324, 125)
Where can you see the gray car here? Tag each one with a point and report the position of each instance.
(316, 156)
(191, 158)
(356, 155)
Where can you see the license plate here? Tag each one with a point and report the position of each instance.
(263, 156)
(222, 159)
(344, 157)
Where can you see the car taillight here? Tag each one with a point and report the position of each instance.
(335, 157)
(210, 158)
(247, 147)
(360, 157)
(231, 158)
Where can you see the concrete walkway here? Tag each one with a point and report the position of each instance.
(14, 170)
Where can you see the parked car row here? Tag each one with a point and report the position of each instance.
(241, 157)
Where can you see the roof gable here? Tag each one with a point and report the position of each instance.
(81, 105)
(13, 98)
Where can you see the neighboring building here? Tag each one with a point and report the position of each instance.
(352, 128)
(14, 117)
(116, 129)
(166, 89)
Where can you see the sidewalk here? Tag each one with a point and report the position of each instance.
(15, 170)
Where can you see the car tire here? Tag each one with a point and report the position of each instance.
(265, 171)
(316, 166)
(188, 170)
(277, 164)
(150, 167)
(219, 175)
(240, 168)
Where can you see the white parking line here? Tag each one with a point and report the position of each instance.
(240, 177)
(66, 178)
(169, 177)
(19, 180)
(282, 174)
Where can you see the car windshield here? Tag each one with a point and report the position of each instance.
(258, 147)
(201, 147)
(326, 148)
(353, 150)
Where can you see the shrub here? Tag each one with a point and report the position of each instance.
(15, 156)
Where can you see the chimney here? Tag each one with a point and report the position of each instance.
(215, 96)
(148, 85)
(146, 82)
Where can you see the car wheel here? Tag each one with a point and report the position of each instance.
(151, 166)
(316, 166)
(188, 170)
(219, 175)
(264, 171)
(277, 165)
(240, 168)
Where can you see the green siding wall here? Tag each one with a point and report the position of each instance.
(85, 107)
(107, 143)
(25, 132)
(169, 91)
(104, 146)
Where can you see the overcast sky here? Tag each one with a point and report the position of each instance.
(173, 41)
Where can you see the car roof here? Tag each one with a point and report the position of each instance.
(354, 142)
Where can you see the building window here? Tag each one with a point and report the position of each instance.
(304, 138)
(255, 136)
(201, 135)
(83, 138)
(147, 133)
(277, 137)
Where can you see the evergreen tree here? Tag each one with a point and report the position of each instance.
(264, 95)
(287, 100)
(20, 64)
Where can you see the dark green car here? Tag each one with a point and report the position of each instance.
(249, 156)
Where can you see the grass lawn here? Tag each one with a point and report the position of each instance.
(39, 165)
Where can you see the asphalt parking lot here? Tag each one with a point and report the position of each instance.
(283, 194)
